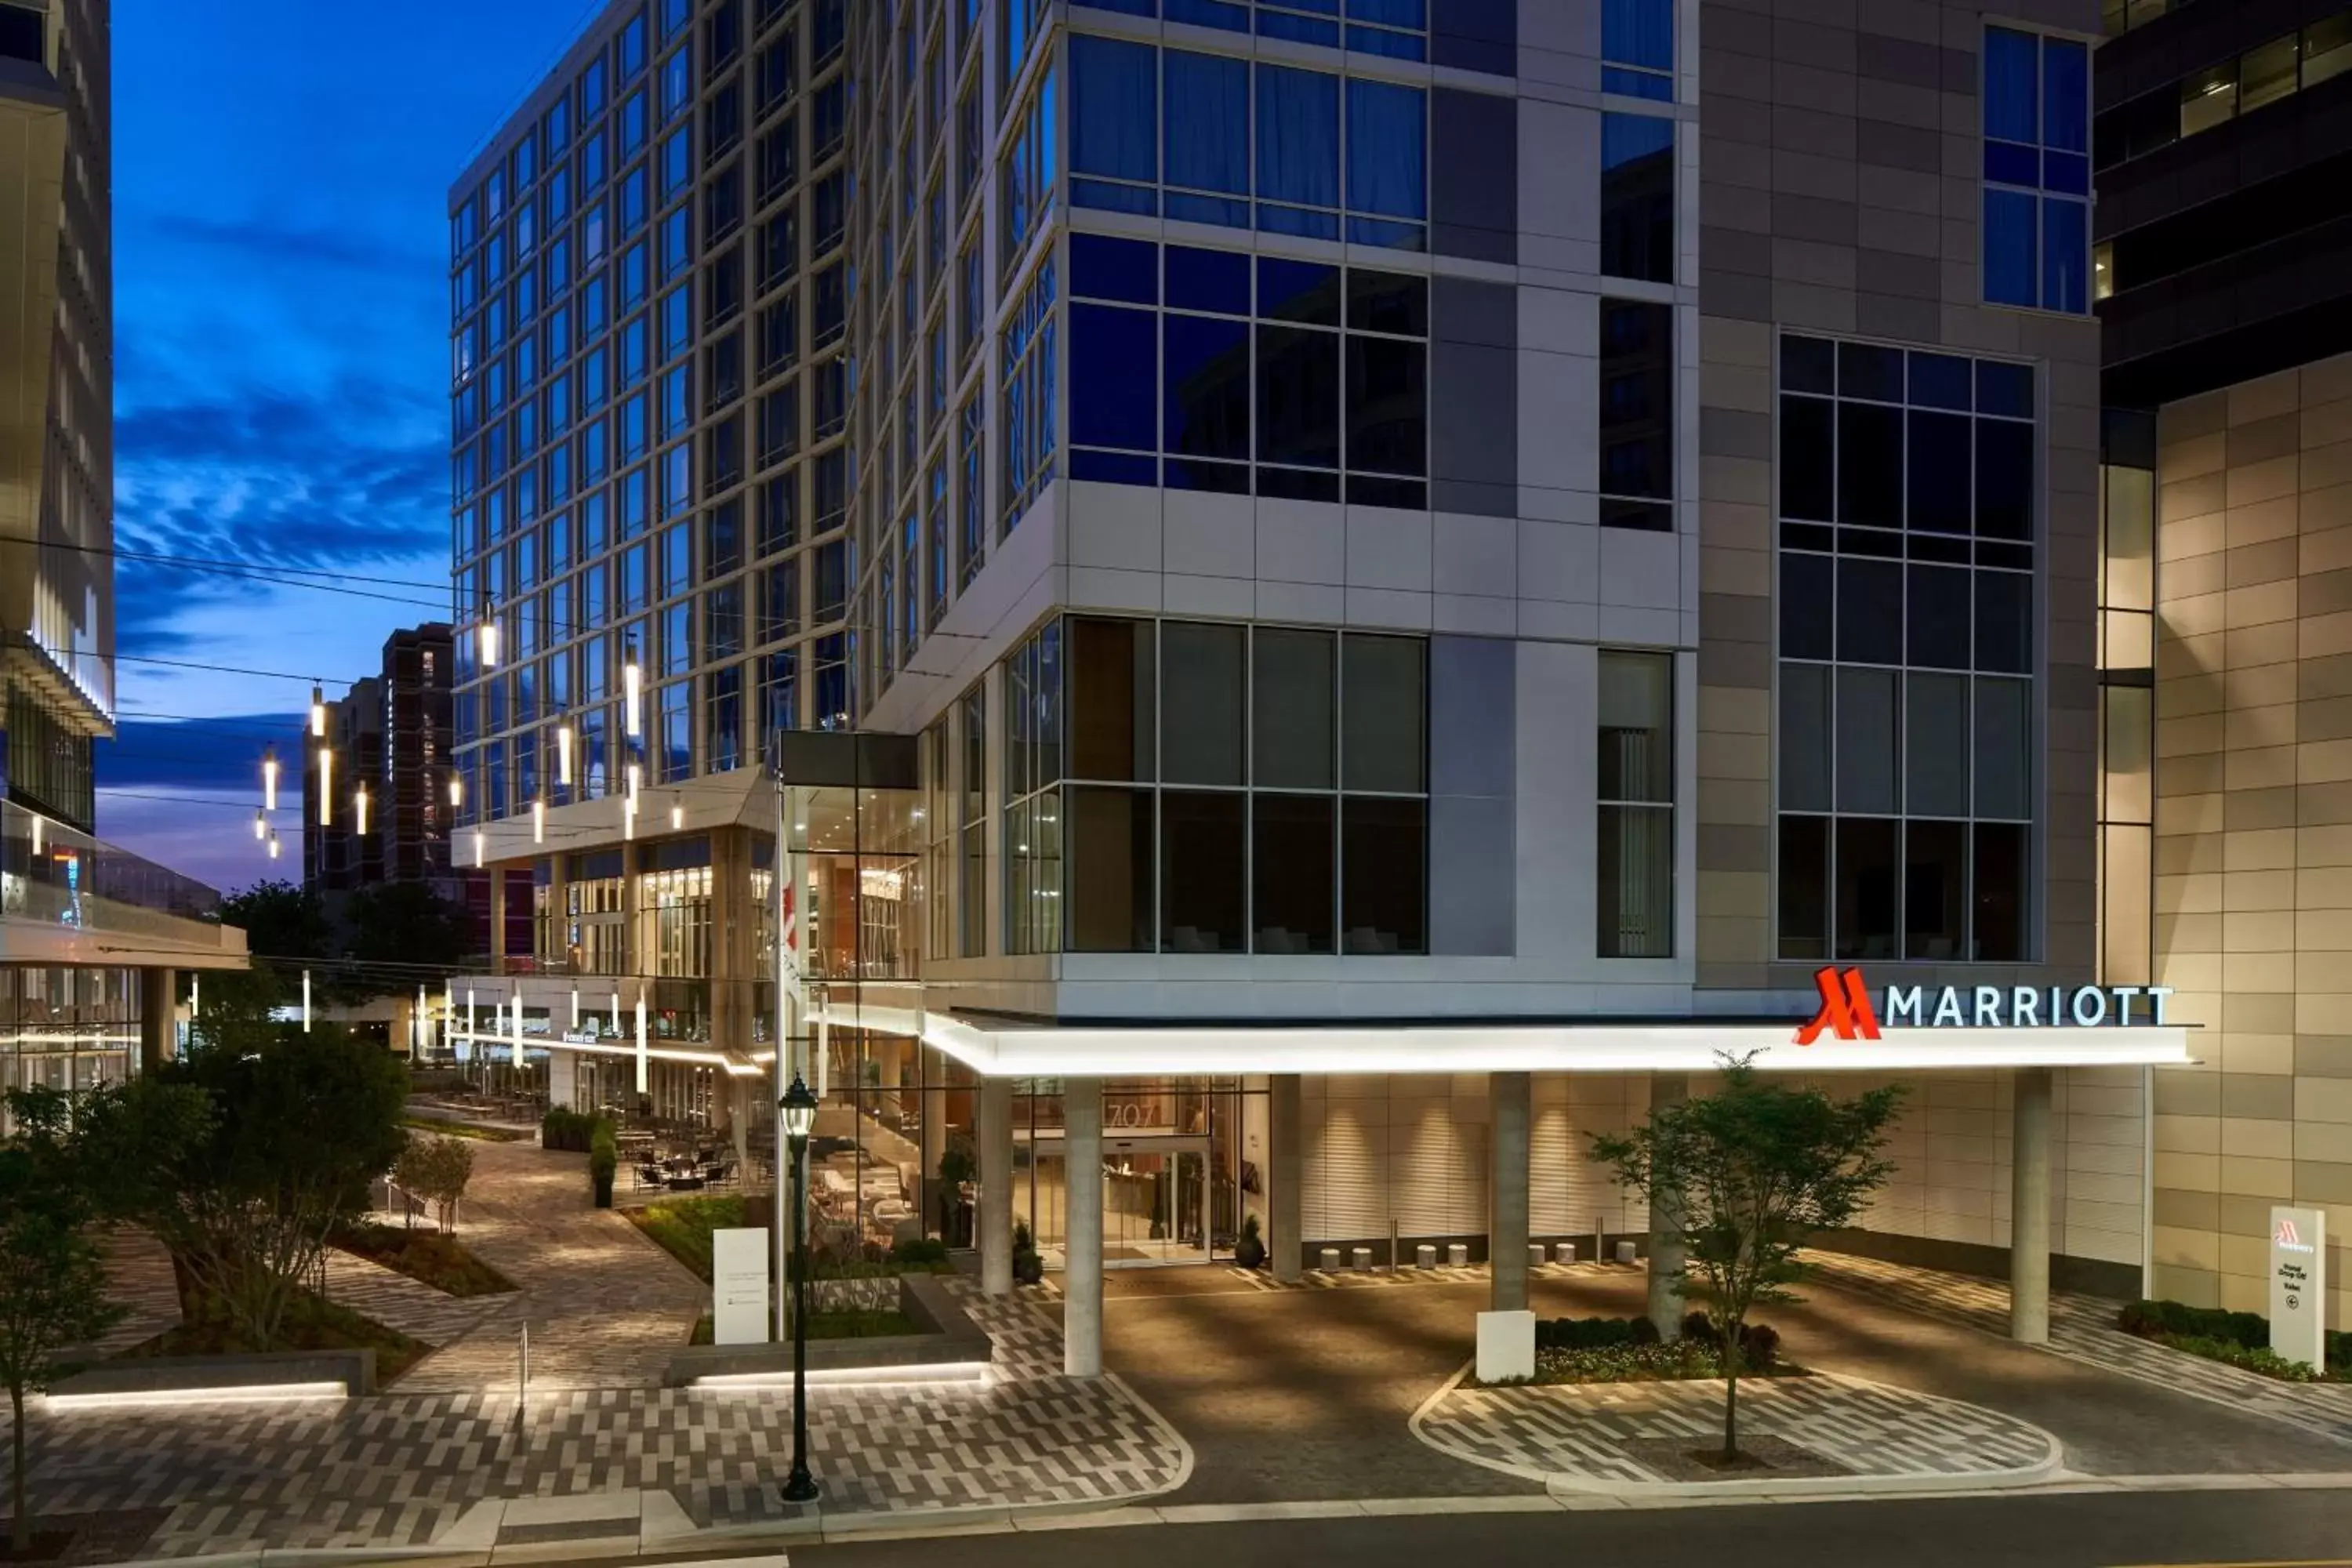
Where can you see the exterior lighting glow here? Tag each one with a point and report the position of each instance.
(273, 844)
(318, 713)
(632, 684)
(261, 826)
(539, 822)
(637, 775)
(489, 636)
(269, 779)
(478, 847)
(676, 813)
(457, 788)
(564, 755)
(359, 806)
(326, 786)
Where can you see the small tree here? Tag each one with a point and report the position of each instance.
(53, 1283)
(438, 1169)
(1753, 1170)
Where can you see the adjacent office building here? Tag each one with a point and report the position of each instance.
(2224, 137)
(1432, 566)
(90, 935)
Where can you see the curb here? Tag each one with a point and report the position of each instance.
(1566, 1486)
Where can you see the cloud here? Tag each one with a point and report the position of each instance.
(276, 245)
(198, 756)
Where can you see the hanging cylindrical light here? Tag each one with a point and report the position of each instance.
(676, 811)
(261, 826)
(480, 845)
(318, 712)
(563, 754)
(359, 806)
(628, 816)
(273, 844)
(490, 635)
(39, 823)
(326, 785)
(270, 778)
(633, 687)
(457, 788)
(637, 775)
(539, 822)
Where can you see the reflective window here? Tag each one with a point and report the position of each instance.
(2037, 171)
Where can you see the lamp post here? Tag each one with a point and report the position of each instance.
(799, 1108)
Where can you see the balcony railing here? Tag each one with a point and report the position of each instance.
(55, 875)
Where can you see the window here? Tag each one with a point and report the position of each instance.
(1029, 169)
(1188, 783)
(1637, 197)
(1636, 794)
(1397, 29)
(2037, 171)
(1637, 415)
(1029, 376)
(1907, 651)
(1637, 49)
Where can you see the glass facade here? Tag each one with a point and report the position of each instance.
(633, 480)
(2037, 170)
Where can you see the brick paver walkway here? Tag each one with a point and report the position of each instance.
(2082, 1329)
(400, 1468)
(139, 1275)
(1586, 1437)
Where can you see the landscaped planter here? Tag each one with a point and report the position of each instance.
(353, 1369)
(948, 1338)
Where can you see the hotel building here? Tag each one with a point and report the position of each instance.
(1391, 577)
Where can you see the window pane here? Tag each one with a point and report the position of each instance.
(1804, 771)
(1870, 465)
(1297, 136)
(1292, 690)
(1936, 618)
(1293, 873)
(1803, 899)
(1201, 723)
(1869, 734)
(1935, 886)
(1383, 874)
(1114, 110)
(1111, 851)
(1939, 472)
(1384, 719)
(1808, 449)
(2003, 890)
(1636, 708)
(1387, 405)
(1637, 399)
(1935, 747)
(2009, 247)
(1202, 857)
(1866, 877)
(2065, 255)
(1386, 149)
(1808, 603)
(1297, 397)
(2010, 70)
(1111, 699)
(1208, 122)
(1206, 412)
(2004, 739)
(1636, 882)
(2066, 92)
(1113, 373)
(1870, 612)
(1637, 197)
(2004, 632)
(1638, 33)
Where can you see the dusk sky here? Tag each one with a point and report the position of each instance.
(281, 349)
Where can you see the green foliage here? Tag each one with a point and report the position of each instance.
(1593, 1334)
(436, 1170)
(1751, 1173)
(1249, 1248)
(573, 1132)
(957, 1165)
(407, 922)
(603, 1159)
(425, 1256)
(2240, 1339)
(922, 1251)
(1636, 1361)
(1028, 1267)
(242, 1161)
(53, 1283)
(311, 1324)
(282, 921)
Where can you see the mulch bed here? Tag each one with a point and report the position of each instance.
(71, 1537)
(1699, 1459)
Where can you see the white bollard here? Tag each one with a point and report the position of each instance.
(1330, 1260)
(1361, 1258)
(1535, 1254)
(1564, 1252)
(1627, 1252)
(1458, 1254)
(1425, 1256)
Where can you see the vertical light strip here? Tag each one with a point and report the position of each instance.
(306, 1001)
(642, 1065)
(326, 786)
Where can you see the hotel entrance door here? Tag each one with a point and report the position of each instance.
(1155, 1200)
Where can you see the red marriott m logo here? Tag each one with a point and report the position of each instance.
(2285, 1234)
(1845, 1009)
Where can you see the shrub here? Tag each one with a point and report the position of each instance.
(2239, 1339)
(926, 1250)
(1249, 1252)
(1760, 1343)
(573, 1132)
(1028, 1267)
(604, 1158)
(1593, 1334)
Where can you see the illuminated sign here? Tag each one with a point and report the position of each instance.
(1845, 1010)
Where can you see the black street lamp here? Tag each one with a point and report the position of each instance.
(798, 1110)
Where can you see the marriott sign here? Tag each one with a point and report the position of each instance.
(1846, 1012)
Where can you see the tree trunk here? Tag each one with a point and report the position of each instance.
(1730, 1393)
(20, 1527)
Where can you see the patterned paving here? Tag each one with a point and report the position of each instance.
(139, 1274)
(396, 1301)
(2082, 1329)
(1583, 1436)
(1379, 1278)
(400, 1468)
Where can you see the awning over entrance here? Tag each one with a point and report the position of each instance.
(1667, 1045)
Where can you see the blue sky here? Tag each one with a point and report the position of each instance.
(281, 170)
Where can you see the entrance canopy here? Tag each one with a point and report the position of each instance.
(1686, 1044)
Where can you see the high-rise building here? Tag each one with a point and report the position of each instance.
(1411, 572)
(342, 850)
(57, 416)
(2224, 230)
(90, 935)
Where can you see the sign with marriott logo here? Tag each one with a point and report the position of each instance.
(1847, 1013)
(2299, 1285)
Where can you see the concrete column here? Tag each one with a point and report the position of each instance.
(1285, 1242)
(996, 1185)
(1082, 1173)
(1506, 1202)
(1666, 1305)
(2029, 1209)
(158, 998)
(738, 1118)
(498, 920)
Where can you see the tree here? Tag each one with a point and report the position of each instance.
(1753, 1172)
(53, 1283)
(437, 1169)
(407, 923)
(281, 921)
(242, 1158)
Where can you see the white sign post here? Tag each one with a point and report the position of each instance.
(738, 1286)
(2299, 1285)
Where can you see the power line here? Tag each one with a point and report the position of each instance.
(233, 669)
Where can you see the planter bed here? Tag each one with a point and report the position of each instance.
(943, 1337)
(2242, 1340)
(427, 1257)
